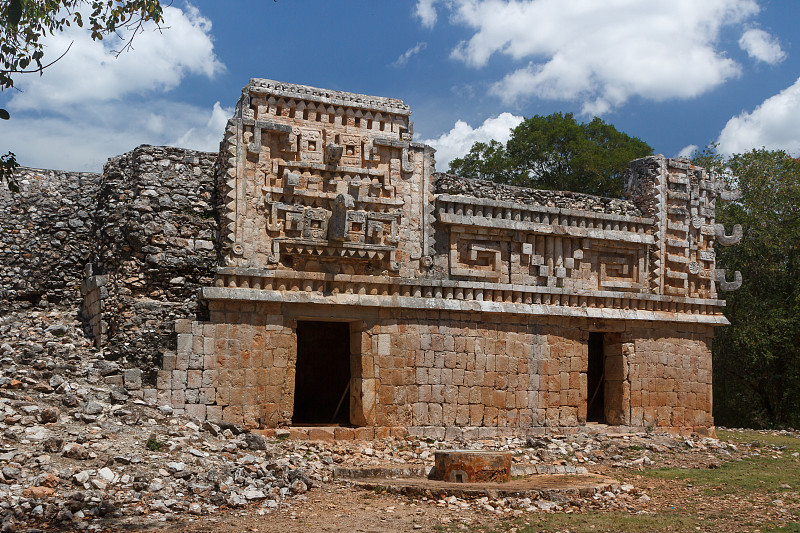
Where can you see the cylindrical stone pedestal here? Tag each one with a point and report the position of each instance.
(472, 466)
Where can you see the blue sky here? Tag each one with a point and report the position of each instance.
(676, 73)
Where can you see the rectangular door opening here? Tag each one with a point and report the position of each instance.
(595, 380)
(322, 374)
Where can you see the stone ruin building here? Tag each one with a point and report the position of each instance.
(318, 271)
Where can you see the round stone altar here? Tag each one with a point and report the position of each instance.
(472, 466)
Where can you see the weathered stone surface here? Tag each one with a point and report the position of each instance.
(469, 304)
(472, 466)
(454, 185)
(47, 234)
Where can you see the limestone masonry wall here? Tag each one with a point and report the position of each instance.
(46, 236)
(453, 307)
(157, 234)
(464, 374)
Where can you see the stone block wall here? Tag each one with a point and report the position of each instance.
(235, 367)
(157, 231)
(442, 373)
(443, 369)
(669, 371)
(95, 294)
(46, 236)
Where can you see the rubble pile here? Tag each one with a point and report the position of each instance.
(77, 445)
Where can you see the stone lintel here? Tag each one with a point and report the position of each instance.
(440, 304)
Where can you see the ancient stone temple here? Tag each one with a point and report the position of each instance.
(356, 286)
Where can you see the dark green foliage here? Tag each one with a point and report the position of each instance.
(757, 358)
(23, 23)
(8, 167)
(153, 444)
(556, 152)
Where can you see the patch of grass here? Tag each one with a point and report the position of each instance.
(612, 522)
(278, 438)
(738, 438)
(763, 473)
(595, 522)
(794, 527)
(153, 444)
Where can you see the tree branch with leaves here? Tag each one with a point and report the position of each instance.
(24, 24)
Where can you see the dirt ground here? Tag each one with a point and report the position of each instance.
(335, 509)
(756, 490)
(348, 509)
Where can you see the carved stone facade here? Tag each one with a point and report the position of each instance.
(397, 297)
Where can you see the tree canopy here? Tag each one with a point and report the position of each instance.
(24, 23)
(757, 357)
(556, 152)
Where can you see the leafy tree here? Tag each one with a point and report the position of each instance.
(757, 357)
(556, 152)
(23, 24)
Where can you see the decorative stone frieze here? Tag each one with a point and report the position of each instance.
(465, 303)
(319, 271)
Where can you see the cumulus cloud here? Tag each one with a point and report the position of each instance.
(91, 72)
(600, 53)
(425, 11)
(458, 141)
(773, 125)
(762, 46)
(688, 150)
(206, 136)
(408, 54)
(92, 105)
(85, 138)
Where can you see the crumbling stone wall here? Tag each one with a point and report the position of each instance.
(46, 236)
(131, 246)
(157, 230)
(453, 185)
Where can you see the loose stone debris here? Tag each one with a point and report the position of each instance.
(76, 453)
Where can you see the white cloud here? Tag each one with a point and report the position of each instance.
(85, 138)
(600, 53)
(688, 150)
(90, 105)
(773, 125)
(762, 46)
(426, 12)
(90, 72)
(408, 54)
(458, 141)
(208, 136)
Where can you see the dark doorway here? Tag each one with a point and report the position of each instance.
(322, 377)
(595, 380)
